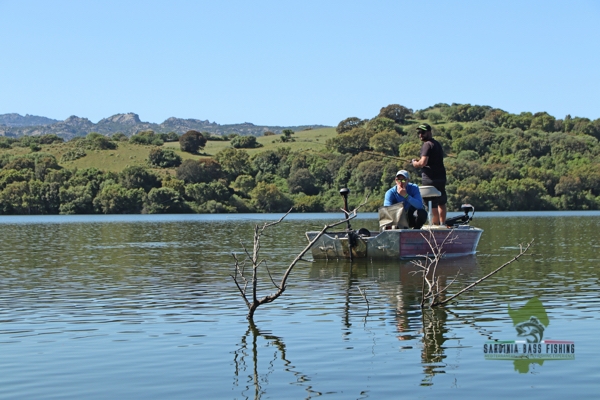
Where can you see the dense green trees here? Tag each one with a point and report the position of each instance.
(119, 137)
(165, 200)
(137, 177)
(163, 158)
(244, 142)
(267, 197)
(367, 175)
(396, 113)
(286, 135)
(351, 142)
(495, 161)
(234, 162)
(302, 181)
(192, 142)
(386, 142)
(147, 138)
(29, 197)
(197, 171)
(348, 124)
(97, 141)
(465, 112)
(501, 161)
(113, 198)
(203, 192)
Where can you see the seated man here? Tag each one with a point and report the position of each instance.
(409, 194)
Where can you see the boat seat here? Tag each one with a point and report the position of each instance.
(429, 191)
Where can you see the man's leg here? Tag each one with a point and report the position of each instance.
(439, 204)
(435, 215)
(421, 218)
(410, 215)
(441, 211)
(416, 217)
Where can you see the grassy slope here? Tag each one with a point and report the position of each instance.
(112, 160)
(132, 154)
(305, 140)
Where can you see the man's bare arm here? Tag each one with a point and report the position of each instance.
(421, 162)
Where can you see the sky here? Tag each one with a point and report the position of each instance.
(293, 62)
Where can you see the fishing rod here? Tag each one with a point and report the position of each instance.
(400, 158)
(386, 156)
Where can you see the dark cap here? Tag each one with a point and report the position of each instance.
(424, 128)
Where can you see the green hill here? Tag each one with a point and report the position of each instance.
(495, 161)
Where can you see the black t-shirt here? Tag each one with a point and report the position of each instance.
(434, 170)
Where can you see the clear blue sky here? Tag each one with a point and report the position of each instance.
(295, 62)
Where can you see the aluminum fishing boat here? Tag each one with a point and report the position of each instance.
(393, 241)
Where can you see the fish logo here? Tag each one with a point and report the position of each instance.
(530, 320)
(532, 330)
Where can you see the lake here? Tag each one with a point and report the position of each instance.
(143, 306)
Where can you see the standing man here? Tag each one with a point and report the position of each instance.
(433, 171)
(409, 194)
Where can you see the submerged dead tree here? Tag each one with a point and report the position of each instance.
(247, 358)
(245, 273)
(433, 293)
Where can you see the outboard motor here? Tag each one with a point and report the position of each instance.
(462, 219)
(353, 236)
(345, 192)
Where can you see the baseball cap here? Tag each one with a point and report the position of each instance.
(404, 173)
(424, 127)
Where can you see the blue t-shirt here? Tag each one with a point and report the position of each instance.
(414, 197)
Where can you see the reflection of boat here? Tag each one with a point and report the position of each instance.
(455, 238)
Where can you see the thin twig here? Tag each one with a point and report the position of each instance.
(515, 258)
(269, 272)
(364, 295)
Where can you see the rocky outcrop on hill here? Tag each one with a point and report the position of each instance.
(15, 119)
(183, 125)
(69, 128)
(124, 119)
(130, 124)
(73, 125)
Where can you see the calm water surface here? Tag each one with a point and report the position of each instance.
(144, 307)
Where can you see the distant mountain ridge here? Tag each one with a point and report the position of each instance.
(16, 125)
(15, 119)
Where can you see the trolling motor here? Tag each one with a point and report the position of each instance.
(352, 235)
(345, 192)
(461, 219)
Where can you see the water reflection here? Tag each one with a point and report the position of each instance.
(399, 284)
(255, 378)
(453, 272)
(152, 303)
(432, 354)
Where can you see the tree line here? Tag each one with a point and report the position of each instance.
(495, 160)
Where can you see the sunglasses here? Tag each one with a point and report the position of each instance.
(401, 179)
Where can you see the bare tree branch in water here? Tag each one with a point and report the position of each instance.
(432, 291)
(253, 261)
(364, 295)
(522, 251)
(430, 288)
(246, 359)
